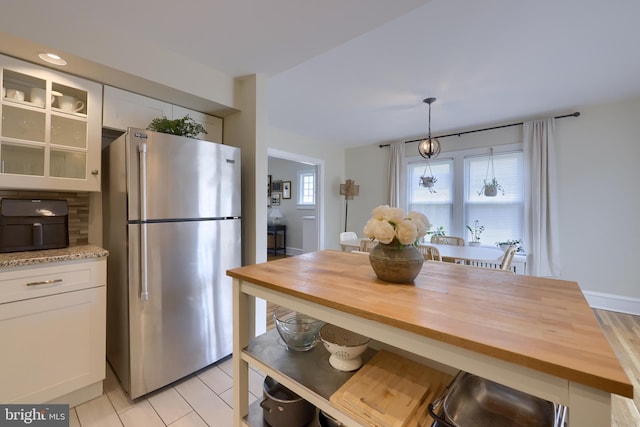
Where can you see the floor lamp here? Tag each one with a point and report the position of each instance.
(349, 190)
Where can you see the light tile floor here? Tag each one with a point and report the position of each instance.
(200, 400)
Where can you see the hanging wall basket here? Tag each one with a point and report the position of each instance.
(490, 190)
(428, 181)
(491, 186)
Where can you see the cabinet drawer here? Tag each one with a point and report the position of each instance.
(38, 281)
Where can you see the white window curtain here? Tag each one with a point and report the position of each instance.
(396, 172)
(541, 217)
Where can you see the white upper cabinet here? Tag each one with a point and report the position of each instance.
(50, 133)
(124, 109)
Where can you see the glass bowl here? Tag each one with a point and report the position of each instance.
(298, 331)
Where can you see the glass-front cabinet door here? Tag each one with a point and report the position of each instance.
(50, 133)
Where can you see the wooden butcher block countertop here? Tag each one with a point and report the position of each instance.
(544, 324)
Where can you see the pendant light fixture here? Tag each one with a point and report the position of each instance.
(429, 147)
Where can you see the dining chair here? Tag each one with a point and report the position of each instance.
(448, 240)
(508, 257)
(348, 235)
(367, 245)
(430, 253)
(360, 252)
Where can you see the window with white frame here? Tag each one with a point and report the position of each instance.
(435, 202)
(503, 215)
(307, 188)
(453, 202)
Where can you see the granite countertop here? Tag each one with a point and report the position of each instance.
(19, 259)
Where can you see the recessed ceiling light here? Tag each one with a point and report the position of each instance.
(52, 58)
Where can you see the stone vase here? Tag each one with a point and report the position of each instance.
(396, 264)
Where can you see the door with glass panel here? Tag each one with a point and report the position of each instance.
(49, 137)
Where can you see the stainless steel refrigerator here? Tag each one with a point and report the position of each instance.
(171, 216)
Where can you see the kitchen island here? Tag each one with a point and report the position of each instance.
(534, 334)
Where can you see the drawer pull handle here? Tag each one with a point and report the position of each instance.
(45, 282)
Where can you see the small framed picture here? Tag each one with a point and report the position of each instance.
(275, 199)
(276, 186)
(286, 189)
(269, 185)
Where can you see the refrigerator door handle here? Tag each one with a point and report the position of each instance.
(144, 285)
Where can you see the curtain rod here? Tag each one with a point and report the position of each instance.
(576, 114)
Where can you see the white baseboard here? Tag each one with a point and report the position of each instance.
(613, 302)
(80, 396)
(294, 251)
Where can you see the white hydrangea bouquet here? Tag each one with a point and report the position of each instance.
(389, 224)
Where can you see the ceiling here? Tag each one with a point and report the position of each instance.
(355, 72)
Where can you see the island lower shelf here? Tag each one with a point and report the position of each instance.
(308, 374)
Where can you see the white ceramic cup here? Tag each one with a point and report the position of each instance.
(16, 95)
(70, 104)
(38, 96)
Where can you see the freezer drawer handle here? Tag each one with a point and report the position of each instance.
(45, 282)
(144, 291)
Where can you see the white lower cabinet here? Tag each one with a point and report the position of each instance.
(52, 329)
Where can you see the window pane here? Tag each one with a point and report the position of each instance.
(306, 189)
(508, 172)
(437, 204)
(501, 221)
(502, 215)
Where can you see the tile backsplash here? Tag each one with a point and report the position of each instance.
(78, 210)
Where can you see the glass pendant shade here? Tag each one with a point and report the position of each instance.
(429, 148)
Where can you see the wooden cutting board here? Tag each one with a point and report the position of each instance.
(389, 391)
(422, 418)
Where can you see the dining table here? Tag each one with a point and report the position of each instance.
(449, 253)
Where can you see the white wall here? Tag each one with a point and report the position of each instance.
(247, 130)
(331, 177)
(599, 234)
(598, 177)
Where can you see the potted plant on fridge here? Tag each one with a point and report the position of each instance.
(185, 126)
(475, 231)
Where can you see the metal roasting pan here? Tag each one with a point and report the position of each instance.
(473, 401)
